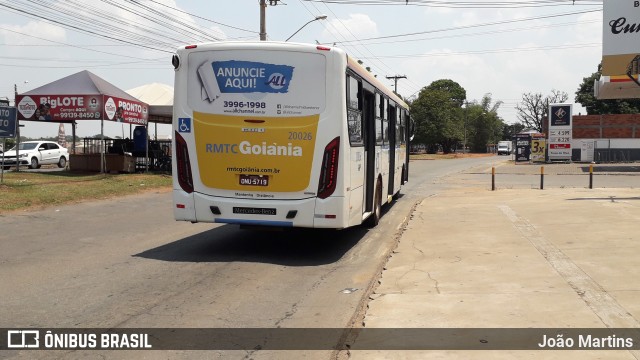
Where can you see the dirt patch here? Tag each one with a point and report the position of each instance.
(441, 156)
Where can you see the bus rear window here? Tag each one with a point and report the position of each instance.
(260, 83)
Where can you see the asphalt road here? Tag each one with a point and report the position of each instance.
(125, 263)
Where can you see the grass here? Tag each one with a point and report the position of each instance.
(24, 190)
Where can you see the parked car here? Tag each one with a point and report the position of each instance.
(36, 153)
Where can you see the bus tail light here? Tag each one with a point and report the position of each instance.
(185, 179)
(329, 169)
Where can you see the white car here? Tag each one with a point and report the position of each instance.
(36, 153)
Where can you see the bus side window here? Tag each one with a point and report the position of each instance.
(379, 117)
(385, 131)
(385, 121)
(400, 128)
(353, 90)
(354, 111)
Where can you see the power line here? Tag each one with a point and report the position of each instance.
(64, 44)
(82, 29)
(203, 18)
(475, 25)
(462, 4)
(493, 51)
(395, 80)
(492, 32)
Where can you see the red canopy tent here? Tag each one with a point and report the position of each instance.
(78, 97)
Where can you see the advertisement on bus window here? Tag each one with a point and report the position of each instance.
(229, 84)
(255, 118)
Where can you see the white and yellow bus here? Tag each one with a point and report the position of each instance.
(283, 134)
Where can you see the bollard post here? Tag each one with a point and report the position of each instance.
(493, 178)
(591, 176)
(541, 177)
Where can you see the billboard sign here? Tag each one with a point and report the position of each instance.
(523, 147)
(125, 111)
(620, 36)
(68, 108)
(560, 132)
(7, 122)
(538, 148)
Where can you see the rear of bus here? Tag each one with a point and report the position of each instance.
(257, 135)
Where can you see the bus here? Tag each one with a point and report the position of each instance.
(285, 135)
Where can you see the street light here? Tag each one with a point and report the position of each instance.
(319, 17)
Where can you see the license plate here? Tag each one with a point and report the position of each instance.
(254, 180)
(254, 211)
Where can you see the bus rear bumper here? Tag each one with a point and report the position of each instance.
(311, 212)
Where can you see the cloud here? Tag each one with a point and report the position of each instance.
(218, 32)
(32, 33)
(443, 64)
(357, 26)
(590, 27)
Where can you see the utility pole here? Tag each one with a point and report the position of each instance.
(263, 17)
(263, 25)
(395, 79)
(466, 112)
(15, 103)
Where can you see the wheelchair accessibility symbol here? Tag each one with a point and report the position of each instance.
(184, 125)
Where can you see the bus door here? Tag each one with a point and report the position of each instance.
(392, 148)
(369, 148)
(409, 132)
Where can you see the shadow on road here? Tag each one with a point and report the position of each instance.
(621, 168)
(610, 198)
(290, 247)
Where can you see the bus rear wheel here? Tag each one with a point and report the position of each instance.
(374, 218)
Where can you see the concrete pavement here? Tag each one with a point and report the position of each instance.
(513, 258)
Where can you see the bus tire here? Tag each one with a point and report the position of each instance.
(374, 218)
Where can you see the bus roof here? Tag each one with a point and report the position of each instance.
(360, 70)
(280, 45)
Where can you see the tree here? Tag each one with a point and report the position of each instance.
(533, 111)
(483, 124)
(457, 94)
(511, 129)
(437, 114)
(586, 98)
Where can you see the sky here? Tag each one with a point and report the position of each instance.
(487, 47)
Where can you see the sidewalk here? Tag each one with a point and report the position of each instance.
(509, 175)
(472, 258)
(510, 167)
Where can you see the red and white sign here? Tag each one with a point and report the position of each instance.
(127, 111)
(560, 131)
(67, 108)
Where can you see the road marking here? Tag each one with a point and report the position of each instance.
(612, 314)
